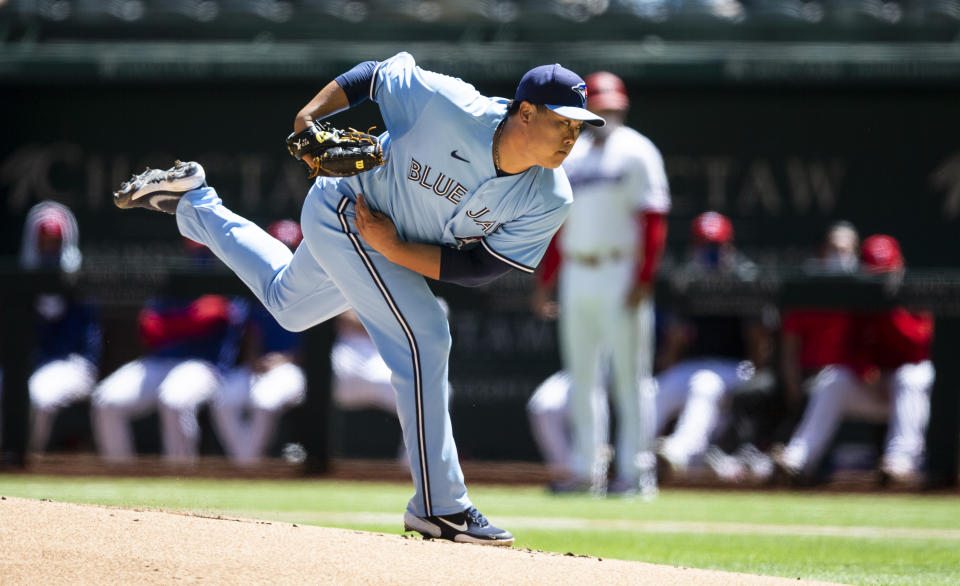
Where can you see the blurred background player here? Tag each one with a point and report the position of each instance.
(51, 239)
(550, 423)
(887, 378)
(189, 344)
(607, 254)
(814, 339)
(704, 356)
(361, 378)
(68, 336)
(267, 382)
(838, 253)
(811, 339)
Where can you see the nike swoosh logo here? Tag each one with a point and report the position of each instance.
(460, 527)
(454, 154)
(165, 202)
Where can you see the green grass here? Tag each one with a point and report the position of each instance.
(858, 539)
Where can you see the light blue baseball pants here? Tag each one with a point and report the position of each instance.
(331, 271)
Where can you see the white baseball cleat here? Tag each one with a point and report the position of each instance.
(159, 190)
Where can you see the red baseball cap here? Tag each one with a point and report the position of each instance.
(712, 227)
(881, 254)
(605, 91)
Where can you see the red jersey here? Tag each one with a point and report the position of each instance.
(892, 339)
(170, 322)
(824, 336)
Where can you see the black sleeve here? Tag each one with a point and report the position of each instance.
(470, 268)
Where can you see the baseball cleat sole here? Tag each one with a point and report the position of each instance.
(160, 190)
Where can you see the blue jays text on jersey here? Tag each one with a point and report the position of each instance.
(440, 176)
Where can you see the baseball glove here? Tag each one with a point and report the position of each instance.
(336, 153)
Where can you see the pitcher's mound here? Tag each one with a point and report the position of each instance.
(59, 543)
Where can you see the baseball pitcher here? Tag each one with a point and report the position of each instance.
(461, 188)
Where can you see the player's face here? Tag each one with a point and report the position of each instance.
(614, 120)
(550, 136)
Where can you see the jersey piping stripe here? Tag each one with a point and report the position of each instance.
(502, 258)
(414, 351)
(373, 81)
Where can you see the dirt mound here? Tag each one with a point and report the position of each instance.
(59, 543)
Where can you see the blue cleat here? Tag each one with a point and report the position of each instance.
(465, 527)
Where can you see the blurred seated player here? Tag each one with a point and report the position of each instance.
(189, 344)
(813, 339)
(705, 357)
(886, 377)
(361, 378)
(267, 382)
(68, 337)
(548, 411)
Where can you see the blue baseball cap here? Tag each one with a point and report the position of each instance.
(559, 89)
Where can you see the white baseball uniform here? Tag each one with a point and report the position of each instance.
(175, 387)
(191, 344)
(255, 394)
(901, 397)
(68, 337)
(249, 405)
(361, 378)
(694, 390)
(613, 181)
(53, 386)
(898, 345)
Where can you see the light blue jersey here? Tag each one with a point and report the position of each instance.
(439, 184)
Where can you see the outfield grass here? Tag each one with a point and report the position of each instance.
(858, 539)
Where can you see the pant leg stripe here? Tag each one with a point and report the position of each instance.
(414, 351)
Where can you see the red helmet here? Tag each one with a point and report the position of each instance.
(712, 227)
(605, 91)
(881, 254)
(286, 231)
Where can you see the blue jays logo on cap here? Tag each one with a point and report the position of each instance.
(581, 88)
(559, 89)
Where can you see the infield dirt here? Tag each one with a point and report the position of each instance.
(44, 542)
